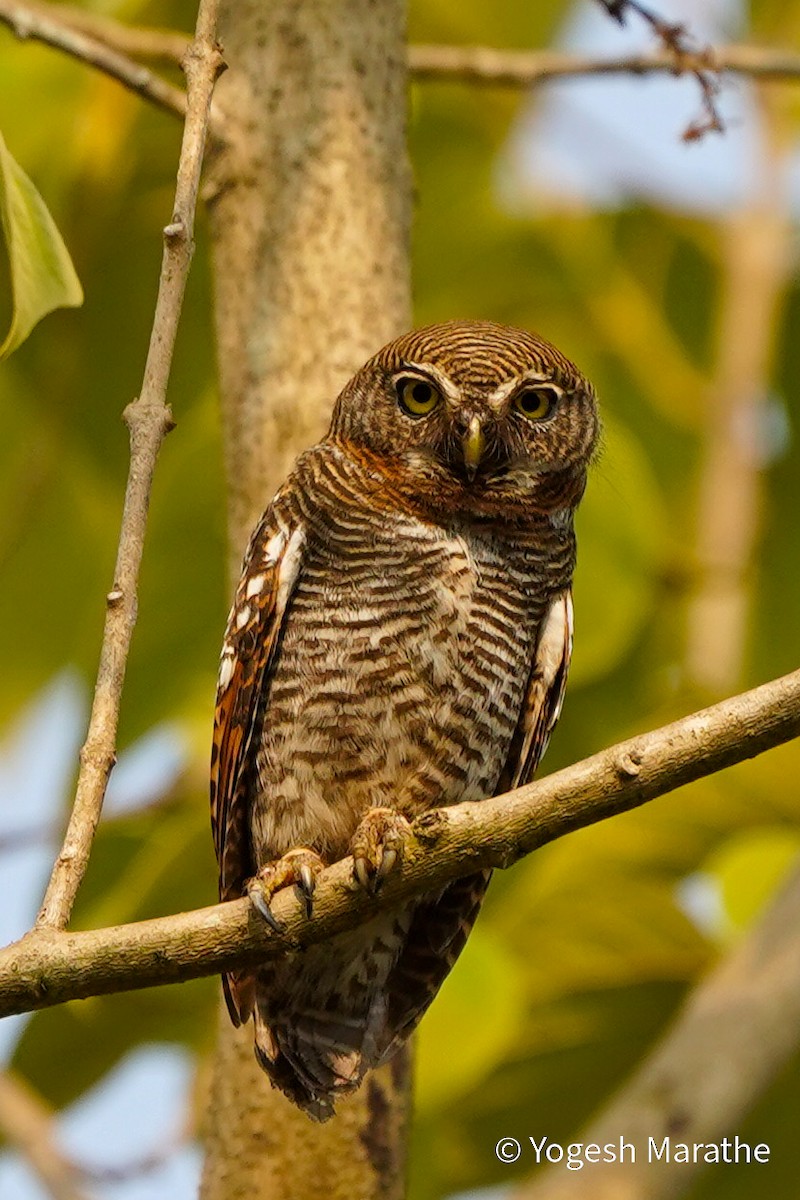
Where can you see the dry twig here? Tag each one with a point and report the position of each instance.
(28, 1124)
(149, 420)
(48, 967)
(677, 42)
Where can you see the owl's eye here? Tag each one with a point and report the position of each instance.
(536, 403)
(417, 398)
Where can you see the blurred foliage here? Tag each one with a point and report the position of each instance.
(585, 949)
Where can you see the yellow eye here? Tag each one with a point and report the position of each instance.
(417, 397)
(536, 403)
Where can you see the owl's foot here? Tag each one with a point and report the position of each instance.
(297, 867)
(377, 846)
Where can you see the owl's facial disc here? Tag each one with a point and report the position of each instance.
(485, 434)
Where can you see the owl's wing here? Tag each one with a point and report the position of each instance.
(544, 694)
(271, 567)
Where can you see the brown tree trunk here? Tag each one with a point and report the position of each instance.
(310, 213)
(310, 223)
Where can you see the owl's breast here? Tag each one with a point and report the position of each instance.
(398, 682)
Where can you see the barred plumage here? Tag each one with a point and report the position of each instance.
(399, 641)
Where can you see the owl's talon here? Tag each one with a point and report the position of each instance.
(377, 847)
(261, 905)
(387, 862)
(297, 867)
(306, 885)
(361, 873)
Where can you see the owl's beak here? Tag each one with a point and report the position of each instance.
(474, 444)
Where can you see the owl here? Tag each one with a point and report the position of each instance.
(399, 641)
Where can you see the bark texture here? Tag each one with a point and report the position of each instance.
(310, 201)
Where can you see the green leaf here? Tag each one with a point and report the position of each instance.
(42, 274)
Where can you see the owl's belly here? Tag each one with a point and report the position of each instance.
(398, 691)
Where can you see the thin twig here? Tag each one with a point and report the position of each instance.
(48, 832)
(27, 21)
(149, 420)
(46, 967)
(26, 1123)
(676, 40)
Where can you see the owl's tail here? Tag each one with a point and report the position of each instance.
(319, 1057)
(316, 1058)
(356, 999)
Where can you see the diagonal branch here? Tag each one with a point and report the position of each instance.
(47, 25)
(165, 46)
(149, 420)
(47, 967)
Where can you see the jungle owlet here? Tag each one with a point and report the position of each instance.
(399, 641)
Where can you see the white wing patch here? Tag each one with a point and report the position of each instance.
(255, 585)
(547, 683)
(274, 549)
(289, 568)
(227, 663)
(554, 651)
(282, 550)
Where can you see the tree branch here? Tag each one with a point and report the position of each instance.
(113, 48)
(525, 68)
(46, 24)
(149, 420)
(47, 967)
(166, 46)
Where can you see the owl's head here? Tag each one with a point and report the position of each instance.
(469, 416)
